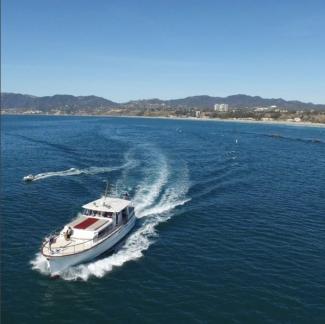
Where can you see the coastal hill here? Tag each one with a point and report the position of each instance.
(69, 103)
(243, 101)
(22, 101)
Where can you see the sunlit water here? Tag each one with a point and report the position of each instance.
(231, 220)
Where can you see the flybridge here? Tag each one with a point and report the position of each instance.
(108, 204)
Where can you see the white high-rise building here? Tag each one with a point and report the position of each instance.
(221, 107)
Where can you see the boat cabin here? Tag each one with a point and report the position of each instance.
(100, 217)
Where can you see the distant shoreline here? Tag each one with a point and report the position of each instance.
(243, 121)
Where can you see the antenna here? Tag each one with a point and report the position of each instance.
(106, 190)
(116, 195)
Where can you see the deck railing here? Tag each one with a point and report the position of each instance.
(75, 248)
(66, 249)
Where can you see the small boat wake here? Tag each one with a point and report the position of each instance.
(75, 172)
(158, 195)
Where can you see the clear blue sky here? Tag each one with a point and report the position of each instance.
(126, 50)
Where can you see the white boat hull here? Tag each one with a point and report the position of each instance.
(59, 263)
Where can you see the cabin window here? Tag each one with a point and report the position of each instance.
(104, 231)
(131, 211)
(117, 218)
(124, 215)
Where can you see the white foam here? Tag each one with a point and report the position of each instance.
(151, 187)
(40, 264)
(88, 171)
(133, 248)
(154, 204)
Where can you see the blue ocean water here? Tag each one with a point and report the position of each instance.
(231, 222)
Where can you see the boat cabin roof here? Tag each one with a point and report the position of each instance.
(89, 223)
(108, 204)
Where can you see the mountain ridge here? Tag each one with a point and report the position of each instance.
(239, 101)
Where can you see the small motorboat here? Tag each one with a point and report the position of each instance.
(29, 178)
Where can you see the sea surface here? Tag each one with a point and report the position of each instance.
(231, 220)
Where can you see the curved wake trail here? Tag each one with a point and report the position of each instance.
(160, 192)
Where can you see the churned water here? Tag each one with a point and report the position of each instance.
(231, 220)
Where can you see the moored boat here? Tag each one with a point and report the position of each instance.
(101, 225)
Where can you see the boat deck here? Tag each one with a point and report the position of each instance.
(62, 246)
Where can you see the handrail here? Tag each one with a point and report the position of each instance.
(65, 247)
(95, 240)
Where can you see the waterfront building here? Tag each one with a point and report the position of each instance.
(221, 107)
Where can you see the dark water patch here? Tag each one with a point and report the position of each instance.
(60, 147)
(297, 139)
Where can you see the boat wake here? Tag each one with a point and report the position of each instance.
(87, 171)
(161, 191)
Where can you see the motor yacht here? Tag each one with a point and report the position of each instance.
(99, 227)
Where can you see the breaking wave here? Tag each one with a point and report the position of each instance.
(161, 191)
